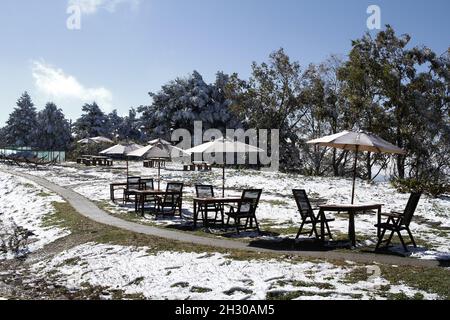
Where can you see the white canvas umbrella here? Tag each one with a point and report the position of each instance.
(159, 151)
(357, 141)
(224, 146)
(95, 140)
(121, 150)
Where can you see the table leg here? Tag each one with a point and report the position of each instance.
(322, 225)
(195, 214)
(379, 222)
(111, 193)
(351, 228)
(136, 202)
(142, 201)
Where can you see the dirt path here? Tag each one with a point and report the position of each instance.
(88, 209)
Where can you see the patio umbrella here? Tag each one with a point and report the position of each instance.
(159, 151)
(121, 150)
(224, 146)
(357, 141)
(95, 140)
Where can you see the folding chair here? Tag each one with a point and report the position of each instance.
(170, 202)
(207, 191)
(399, 221)
(307, 214)
(246, 210)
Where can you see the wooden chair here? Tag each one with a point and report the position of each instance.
(148, 184)
(307, 214)
(133, 183)
(399, 221)
(246, 209)
(207, 191)
(169, 203)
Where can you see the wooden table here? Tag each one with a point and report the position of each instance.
(208, 201)
(141, 195)
(352, 210)
(113, 186)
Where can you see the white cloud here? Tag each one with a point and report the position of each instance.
(93, 6)
(58, 86)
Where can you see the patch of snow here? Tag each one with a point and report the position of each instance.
(172, 275)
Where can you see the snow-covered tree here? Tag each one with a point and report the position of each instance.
(185, 100)
(114, 122)
(20, 130)
(129, 129)
(53, 129)
(92, 123)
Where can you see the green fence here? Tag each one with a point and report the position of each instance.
(59, 156)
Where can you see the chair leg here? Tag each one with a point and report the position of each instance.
(402, 241)
(329, 231)
(256, 224)
(411, 237)
(300, 230)
(380, 240)
(390, 238)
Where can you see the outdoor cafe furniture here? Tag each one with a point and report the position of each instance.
(307, 214)
(113, 187)
(166, 202)
(133, 184)
(202, 202)
(153, 163)
(198, 165)
(207, 191)
(352, 210)
(246, 210)
(397, 222)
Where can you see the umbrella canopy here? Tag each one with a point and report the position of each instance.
(95, 140)
(224, 146)
(162, 141)
(121, 149)
(161, 151)
(357, 141)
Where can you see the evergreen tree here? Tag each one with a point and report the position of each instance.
(114, 123)
(185, 100)
(128, 129)
(53, 129)
(92, 123)
(20, 130)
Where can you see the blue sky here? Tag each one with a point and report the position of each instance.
(126, 48)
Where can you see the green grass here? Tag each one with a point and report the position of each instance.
(432, 280)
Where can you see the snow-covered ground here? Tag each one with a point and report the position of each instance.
(174, 275)
(182, 275)
(25, 204)
(277, 209)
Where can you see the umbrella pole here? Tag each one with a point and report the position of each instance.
(127, 167)
(354, 174)
(159, 175)
(223, 180)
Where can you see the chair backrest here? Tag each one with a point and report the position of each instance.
(303, 204)
(133, 182)
(174, 198)
(250, 200)
(411, 207)
(204, 191)
(147, 183)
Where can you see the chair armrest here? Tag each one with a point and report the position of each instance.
(392, 215)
